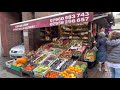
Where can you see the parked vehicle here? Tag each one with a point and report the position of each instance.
(17, 51)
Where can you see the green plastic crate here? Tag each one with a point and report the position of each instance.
(16, 68)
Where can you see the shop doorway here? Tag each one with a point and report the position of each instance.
(44, 35)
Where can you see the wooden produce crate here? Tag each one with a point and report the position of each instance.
(40, 74)
(28, 72)
(8, 63)
(79, 63)
(16, 68)
(82, 74)
(50, 72)
(14, 72)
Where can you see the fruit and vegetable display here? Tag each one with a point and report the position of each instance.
(59, 67)
(48, 61)
(42, 34)
(38, 60)
(57, 64)
(82, 49)
(83, 66)
(33, 55)
(77, 32)
(47, 46)
(65, 74)
(30, 54)
(52, 74)
(55, 51)
(66, 65)
(29, 67)
(20, 61)
(73, 42)
(73, 30)
(65, 55)
(65, 42)
(76, 53)
(41, 70)
(74, 69)
(76, 46)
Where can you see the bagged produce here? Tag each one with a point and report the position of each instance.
(90, 55)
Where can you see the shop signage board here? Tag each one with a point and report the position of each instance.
(72, 18)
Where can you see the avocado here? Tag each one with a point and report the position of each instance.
(77, 66)
(83, 66)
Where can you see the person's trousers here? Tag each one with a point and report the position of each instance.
(115, 72)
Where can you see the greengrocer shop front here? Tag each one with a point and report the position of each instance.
(66, 44)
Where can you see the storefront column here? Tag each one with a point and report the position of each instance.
(26, 40)
(27, 16)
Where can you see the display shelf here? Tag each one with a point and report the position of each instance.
(66, 33)
(75, 30)
(67, 30)
(80, 30)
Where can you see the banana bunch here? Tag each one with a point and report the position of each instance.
(54, 39)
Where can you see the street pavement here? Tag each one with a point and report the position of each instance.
(95, 73)
(3, 72)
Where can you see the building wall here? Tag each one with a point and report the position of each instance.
(42, 14)
(28, 40)
(9, 38)
(14, 37)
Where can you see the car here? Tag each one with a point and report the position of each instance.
(17, 51)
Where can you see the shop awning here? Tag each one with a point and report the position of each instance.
(102, 22)
(54, 20)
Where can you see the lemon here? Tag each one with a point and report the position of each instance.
(72, 75)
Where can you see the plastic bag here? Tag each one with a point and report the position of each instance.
(90, 55)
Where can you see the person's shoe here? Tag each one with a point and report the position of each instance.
(105, 70)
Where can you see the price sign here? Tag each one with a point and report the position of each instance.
(71, 18)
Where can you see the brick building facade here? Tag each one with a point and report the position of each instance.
(9, 38)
